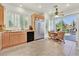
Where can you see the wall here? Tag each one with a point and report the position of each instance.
(77, 33)
(46, 25)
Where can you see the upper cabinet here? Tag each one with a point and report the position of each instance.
(1, 17)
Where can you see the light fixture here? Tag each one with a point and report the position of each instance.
(57, 12)
(56, 16)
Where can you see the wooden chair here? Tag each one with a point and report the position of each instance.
(60, 36)
(52, 35)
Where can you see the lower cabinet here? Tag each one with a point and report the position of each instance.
(17, 38)
(13, 38)
(5, 40)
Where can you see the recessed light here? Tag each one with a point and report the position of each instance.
(67, 4)
(20, 5)
(39, 6)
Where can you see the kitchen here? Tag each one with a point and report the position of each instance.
(14, 25)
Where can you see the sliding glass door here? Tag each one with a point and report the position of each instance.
(67, 24)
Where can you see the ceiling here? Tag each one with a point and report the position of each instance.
(47, 7)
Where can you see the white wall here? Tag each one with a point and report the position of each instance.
(77, 33)
(45, 29)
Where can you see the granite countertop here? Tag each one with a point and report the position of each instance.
(18, 30)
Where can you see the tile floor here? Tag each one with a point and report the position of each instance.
(43, 47)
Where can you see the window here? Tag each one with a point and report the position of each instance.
(16, 21)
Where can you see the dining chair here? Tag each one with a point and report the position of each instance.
(60, 36)
(51, 35)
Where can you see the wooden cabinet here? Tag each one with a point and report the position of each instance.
(13, 38)
(17, 38)
(1, 17)
(0, 40)
(5, 40)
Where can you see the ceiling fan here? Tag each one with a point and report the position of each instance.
(57, 13)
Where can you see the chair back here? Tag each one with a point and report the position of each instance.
(60, 35)
(51, 34)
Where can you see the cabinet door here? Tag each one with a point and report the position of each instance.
(12, 39)
(5, 40)
(1, 15)
(17, 38)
